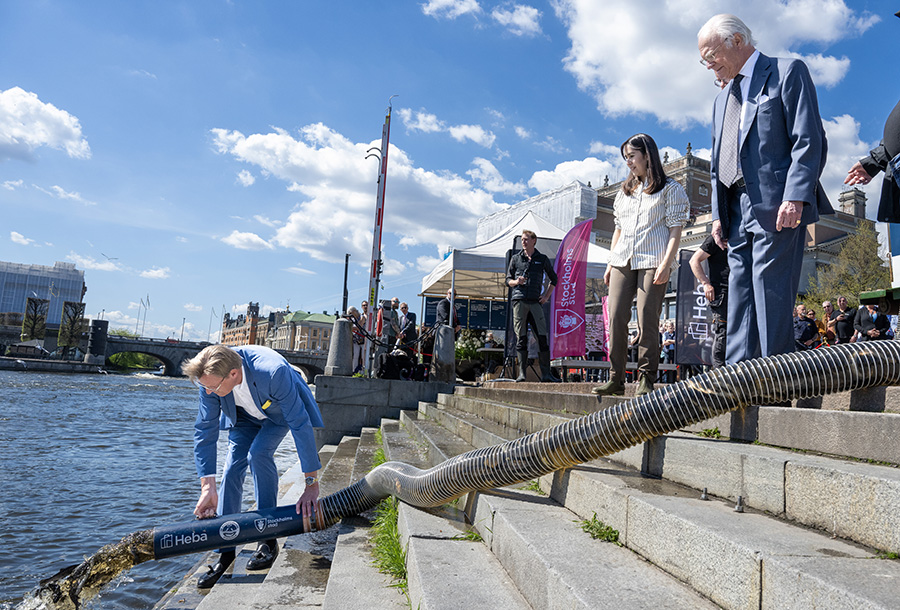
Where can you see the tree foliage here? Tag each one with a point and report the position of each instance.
(131, 360)
(857, 269)
(34, 323)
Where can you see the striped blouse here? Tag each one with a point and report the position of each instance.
(643, 221)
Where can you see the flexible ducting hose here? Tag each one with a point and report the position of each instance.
(763, 381)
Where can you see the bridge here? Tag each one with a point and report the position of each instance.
(171, 353)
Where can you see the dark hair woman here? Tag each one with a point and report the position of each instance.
(650, 211)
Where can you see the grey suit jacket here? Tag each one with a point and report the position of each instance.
(783, 146)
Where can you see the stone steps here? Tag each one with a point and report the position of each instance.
(725, 555)
(531, 548)
(354, 583)
(860, 497)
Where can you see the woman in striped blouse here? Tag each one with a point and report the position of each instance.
(650, 211)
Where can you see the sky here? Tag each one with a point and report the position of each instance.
(203, 154)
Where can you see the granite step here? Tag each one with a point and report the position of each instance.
(720, 553)
(848, 499)
(354, 583)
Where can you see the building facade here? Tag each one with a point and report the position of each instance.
(57, 284)
(280, 330)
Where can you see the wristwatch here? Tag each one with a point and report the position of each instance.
(311, 481)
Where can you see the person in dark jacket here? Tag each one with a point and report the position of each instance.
(885, 158)
(525, 276)
(872, 324)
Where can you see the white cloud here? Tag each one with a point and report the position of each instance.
(523, 133)
(590, 170)
(475, 133)
(426, 264)
(333, 180)
(18, 238)
(640, 56)
(181, 239)
(297, 270)
(267, 221)
(450, 9)
(60, 193)
(420, 121)
(156, 273)
(27, 123)
(247, 241)
(607, 150)
(193, 308)
(490, 179)
(88, 262)
(521, 20)
(426, 122)
(393, 268)
(553, 145)
(11, 185)
(844, 149)
(245, 178)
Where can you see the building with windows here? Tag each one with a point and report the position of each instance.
(281, 330)
(57, 284)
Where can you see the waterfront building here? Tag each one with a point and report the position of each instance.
(281, 330)
(57, 284)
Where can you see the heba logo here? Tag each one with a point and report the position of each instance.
(192, 538)
(166, 542)
(260, 525)
(230, 530)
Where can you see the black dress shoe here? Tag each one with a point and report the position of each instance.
(264, 556)
(213, 575)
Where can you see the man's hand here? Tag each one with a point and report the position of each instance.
(857, 175)
(789, 215)
(709, 292)
(606, 275)
(208, 503)
(306, 503)
(718, 236)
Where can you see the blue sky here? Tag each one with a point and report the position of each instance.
(208, 153)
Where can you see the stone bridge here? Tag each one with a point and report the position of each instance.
(172, 353)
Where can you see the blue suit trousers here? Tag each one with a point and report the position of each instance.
(251, 442)
(762, 285)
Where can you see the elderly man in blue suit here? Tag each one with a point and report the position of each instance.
(255, 394)
(768, 153)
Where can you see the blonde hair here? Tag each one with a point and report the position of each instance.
(217, 360)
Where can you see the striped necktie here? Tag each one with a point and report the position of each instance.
(729, 171)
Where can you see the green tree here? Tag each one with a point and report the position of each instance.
(857, 269)
(131, 360)
(72, 327)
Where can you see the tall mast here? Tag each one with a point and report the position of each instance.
(375, 272)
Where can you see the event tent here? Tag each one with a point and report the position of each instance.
(480, 271)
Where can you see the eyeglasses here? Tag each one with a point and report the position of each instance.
(404, 307)
(711, 56)
(206, 389)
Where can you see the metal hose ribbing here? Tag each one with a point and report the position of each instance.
(764, 381)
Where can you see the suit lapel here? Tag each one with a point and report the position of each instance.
(761, 73)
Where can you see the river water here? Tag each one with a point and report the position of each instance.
(87, 459)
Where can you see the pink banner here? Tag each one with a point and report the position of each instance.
(567, 308)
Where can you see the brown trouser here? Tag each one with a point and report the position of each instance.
(624, 284)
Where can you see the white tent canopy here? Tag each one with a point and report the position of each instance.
(480, 271)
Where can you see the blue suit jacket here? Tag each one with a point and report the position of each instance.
(783, 146)
(280, 393)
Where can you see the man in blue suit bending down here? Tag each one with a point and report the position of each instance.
(255, 394)
(768, 153)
